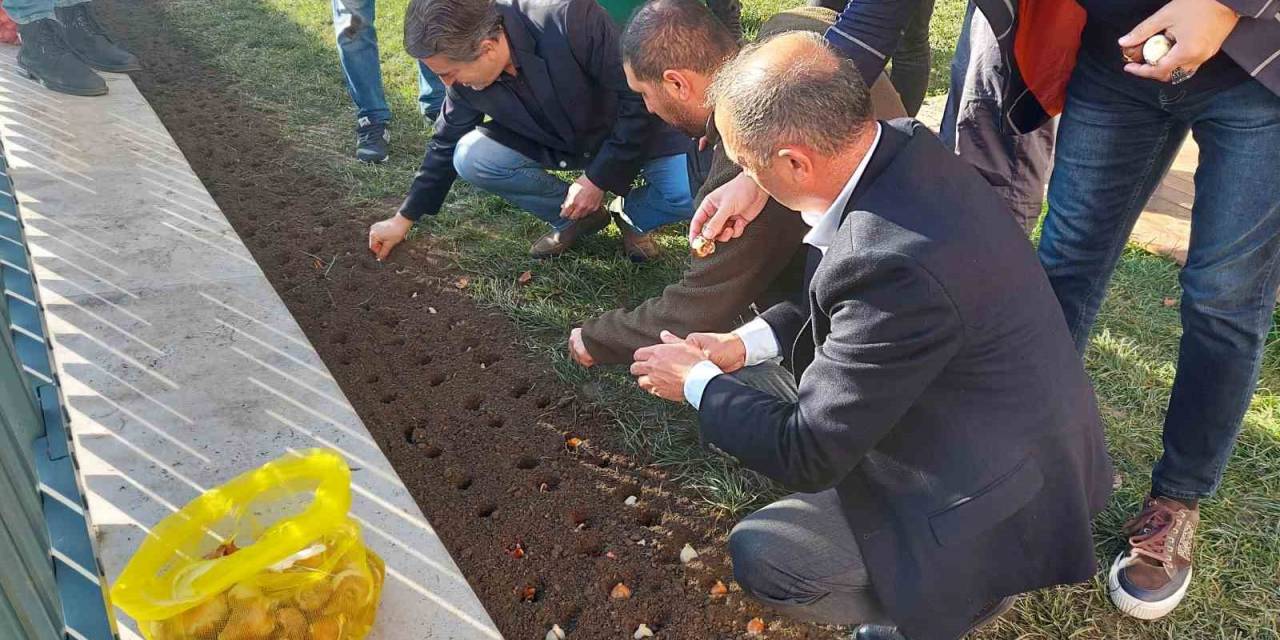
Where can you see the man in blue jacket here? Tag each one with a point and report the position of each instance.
(533, 87)
(944, 441)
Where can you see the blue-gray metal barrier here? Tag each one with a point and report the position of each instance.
(51, 582)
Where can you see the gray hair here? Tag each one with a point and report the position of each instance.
(675, 34)
(818, 99)
(452, 28)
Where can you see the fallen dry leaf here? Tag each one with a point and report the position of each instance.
(718, 590)
(620, 592)
(516, 550)
(755, 627)
(525, 277)
(462, 283)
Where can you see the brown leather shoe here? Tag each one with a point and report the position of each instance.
(557, 241)
(638, 247)
(1150, 578)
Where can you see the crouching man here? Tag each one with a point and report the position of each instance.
(547, 74)
(944, 439)
(671, 49)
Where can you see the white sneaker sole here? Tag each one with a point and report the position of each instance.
(1132, 606)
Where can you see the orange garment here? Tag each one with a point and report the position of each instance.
(1045, 48)
(8, 29)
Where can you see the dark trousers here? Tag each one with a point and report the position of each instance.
(798, 555)
(910, 70)
(1118, 137)
(1016, 166)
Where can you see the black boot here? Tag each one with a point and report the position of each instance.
(91, 42)
(46, 58)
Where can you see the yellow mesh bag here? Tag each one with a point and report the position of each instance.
(271, 555)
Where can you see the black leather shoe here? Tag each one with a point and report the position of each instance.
(557, 241)
(988, 613)
(91, 42)
(877, 632)
(47, 58)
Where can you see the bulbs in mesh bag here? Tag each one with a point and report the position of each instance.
(250, 620)
(205, 619)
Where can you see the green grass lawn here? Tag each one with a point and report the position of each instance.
(281, 55)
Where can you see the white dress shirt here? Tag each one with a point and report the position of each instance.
(757, 335)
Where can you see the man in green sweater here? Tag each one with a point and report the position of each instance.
(671, 51)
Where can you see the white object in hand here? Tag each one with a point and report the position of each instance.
(1156, 47)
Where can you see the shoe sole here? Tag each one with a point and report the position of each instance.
(53, 86)
(1005, 605)
(96, 67)
(1141, 609)
(384, 159)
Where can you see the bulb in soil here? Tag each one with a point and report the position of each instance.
(688, 554)
(755, 627)
(718, 590)
(631, 501)
(1156, 47)
(642, 631)
(620, 592)
(556, 633)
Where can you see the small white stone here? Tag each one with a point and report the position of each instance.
(556, 633)
(642, 631)
(1155, 48)
(631, 501)
(688, 554)
(431, 310)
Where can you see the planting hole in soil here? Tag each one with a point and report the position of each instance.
(473, 402)
(431, 451)
(647, 517)
(486, 510)
(547, 483)
(437, 379)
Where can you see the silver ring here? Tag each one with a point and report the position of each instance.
(1179, 76)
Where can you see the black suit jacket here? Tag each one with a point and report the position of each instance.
(940, 395)
(567, 52)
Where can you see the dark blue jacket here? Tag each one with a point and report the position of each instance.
(567, 52)
(940, 395)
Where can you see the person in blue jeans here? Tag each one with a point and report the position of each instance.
(63, 44)
(537, 88)
(353, 23)
(1121, 128)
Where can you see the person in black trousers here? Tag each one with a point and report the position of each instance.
(911, 58)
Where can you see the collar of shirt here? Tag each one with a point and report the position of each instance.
(826, 224)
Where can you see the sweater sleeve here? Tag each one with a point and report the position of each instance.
(711, 296)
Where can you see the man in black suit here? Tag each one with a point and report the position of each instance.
(945, 438)
(548, 76)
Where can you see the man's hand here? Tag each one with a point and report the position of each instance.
(662, 368)
(578, 349)
(726, 350)
(1198, 29)
(385, 235)
(726, 212)
(584, 199)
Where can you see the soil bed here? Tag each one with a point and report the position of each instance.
(475, 426)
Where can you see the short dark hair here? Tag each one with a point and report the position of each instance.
(675, 34)
(818, 99)
(452, 28)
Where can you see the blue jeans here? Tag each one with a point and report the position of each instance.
(1117, 138)
(664, 199)
(353, 23)
(28, 11)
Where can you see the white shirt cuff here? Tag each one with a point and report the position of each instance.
(696, 382)
(759, 340)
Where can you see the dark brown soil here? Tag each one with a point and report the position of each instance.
(475, 426)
